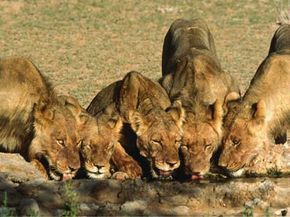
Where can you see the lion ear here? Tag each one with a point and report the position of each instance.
(177, 113)
(232, 96)
(137, 122)
(260, 113)
(83, 118)
(167, 82)
(218, 114)
(115, 123)
(71, 103)
(44, 115)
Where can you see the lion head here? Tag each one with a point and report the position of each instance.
(244, 140)
(55, 142)
(200, 140)
(159, 136)
(98, 135)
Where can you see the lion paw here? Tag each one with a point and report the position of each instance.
(132, 169)
(40, 168)
(120, 176)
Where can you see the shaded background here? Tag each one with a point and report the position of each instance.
(82, 46)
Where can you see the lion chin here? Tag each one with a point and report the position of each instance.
(238, 173)
(56, 175)
(161, 174)
(97, 175)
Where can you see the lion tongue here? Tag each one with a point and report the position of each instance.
(67, 176)
(196, 177)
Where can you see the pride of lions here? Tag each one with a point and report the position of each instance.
(193, 123)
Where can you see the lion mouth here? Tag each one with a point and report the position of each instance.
(55, 174)
(52, 171)
(196, 176)
(162, 174)
(237, 173)
(97, 175)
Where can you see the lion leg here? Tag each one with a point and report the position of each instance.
(38, 165)
(125, 164)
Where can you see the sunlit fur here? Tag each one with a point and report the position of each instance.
(105, 154)
(99, 134)
(144, 105)
(264, 111)
(33, 122)
(192, 74)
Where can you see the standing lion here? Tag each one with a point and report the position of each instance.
(262, 117)
(192, 74)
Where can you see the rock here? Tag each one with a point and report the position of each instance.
(84, 207)
(139, 197)
(284, 212)
(181, 210)
(88, 209)
(281, 212)
(136, 207)
(29, 207)
(14, 168)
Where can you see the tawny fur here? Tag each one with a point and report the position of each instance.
(145, 106)
(263, 115)
(32, 120)
(99, 135)
(192, 74)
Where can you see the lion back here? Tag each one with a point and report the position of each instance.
(108, 96)
(281, 39)
(22, 87)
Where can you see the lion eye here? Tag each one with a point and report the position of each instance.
(207, 146)
(178, 141)
(236, 142)
(143, 153)
(88, 146)
(110, 147)
(60, 142)
(79, 144)
(184, 147)
(156, 142)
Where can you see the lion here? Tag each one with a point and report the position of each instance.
(34, 123)
(99, 135)
(192, 74)
(157, 125)
(273, 160)
(263, 114)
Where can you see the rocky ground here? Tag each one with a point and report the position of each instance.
(24, 192)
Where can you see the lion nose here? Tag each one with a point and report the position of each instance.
(173, 164)
(100, 167)
(73, 169)
(222, 163)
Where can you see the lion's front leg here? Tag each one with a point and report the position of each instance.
(38, 165)
(125, 164)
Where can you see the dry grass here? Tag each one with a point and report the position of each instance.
(82, 46)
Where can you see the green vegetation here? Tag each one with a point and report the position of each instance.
(6, 211)
(248, 212)
(267, 212)
(71, 204)
(274, 172)
(32, 213)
